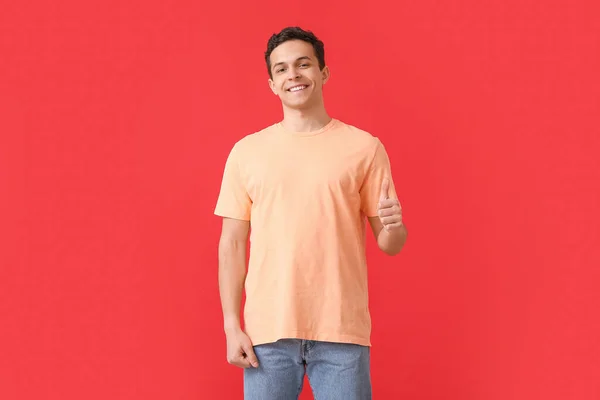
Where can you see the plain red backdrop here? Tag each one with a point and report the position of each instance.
(117, 117)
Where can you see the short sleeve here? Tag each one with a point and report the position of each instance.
(233, 200)
(377, 171)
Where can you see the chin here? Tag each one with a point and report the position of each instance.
(297, 104)
(301, 106)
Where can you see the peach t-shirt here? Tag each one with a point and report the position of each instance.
(306, 195)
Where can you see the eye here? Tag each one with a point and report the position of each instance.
(304, 65)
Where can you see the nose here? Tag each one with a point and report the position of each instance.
(293, 73)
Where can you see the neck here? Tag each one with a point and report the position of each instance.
(308, 120)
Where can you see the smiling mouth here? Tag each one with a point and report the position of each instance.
(297, 88)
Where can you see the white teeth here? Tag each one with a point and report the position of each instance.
(296, 88)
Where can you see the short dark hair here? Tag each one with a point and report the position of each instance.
(295, 33)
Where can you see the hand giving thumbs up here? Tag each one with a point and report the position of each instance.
(389, 210)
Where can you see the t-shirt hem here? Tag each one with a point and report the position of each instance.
(371, 214)
(224, 214)
(321, 337)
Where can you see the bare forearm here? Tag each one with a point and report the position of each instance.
(392, 241)
(232, 275)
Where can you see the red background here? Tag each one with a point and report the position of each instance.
(116, 119)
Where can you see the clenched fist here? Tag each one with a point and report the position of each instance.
(240, 351)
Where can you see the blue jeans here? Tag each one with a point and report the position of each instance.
(335, 371)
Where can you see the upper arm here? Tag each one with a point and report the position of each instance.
(378, 169)
(376, 226)
(234, 200)
(235, 230)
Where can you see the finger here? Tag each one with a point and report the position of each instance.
(239, 361)
(391, 219)
(385, 188)
(250, 356)
(389, 204)
(388, 212)
(242, 362)
(384, 203)
(395, 225)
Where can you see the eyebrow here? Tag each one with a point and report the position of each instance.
(298, 59)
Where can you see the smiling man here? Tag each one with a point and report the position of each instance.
(306, 185)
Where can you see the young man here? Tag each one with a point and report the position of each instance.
(306, 186)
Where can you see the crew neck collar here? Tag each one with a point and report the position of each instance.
(326, 127)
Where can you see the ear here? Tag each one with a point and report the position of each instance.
(326, 74)
(272, 86)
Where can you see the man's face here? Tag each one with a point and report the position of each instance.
(297, 79)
